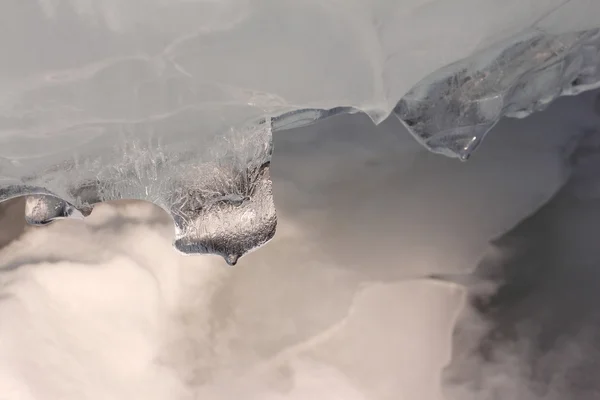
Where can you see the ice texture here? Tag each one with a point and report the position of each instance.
(175, 102)
(452, 110)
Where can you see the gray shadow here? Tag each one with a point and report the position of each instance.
(12, 220)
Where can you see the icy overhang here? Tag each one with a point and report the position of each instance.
(174, 101)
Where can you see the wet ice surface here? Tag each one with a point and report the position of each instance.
(452, 110)
(174, 102)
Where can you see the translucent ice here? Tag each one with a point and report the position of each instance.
(452, 110)
(174, 101)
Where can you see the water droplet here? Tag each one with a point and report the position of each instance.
(232, 259)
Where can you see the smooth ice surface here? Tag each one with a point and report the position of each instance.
(175, 102)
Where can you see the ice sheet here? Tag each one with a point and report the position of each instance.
(174, 102)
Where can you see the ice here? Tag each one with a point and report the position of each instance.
(174, 101)
(451, 111)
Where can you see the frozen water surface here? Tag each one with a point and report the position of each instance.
(174, 102)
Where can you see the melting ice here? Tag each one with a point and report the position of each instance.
(174, 102)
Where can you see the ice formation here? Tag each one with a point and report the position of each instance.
(174, 101)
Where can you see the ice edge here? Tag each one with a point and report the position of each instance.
(449, 112)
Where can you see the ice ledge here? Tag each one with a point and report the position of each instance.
(217, 188)
(452, 110)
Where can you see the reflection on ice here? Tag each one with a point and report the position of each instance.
(451, 111)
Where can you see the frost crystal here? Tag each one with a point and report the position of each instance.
(174, 102)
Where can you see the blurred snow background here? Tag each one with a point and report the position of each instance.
(358, 295)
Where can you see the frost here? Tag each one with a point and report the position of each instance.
(174, 102)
